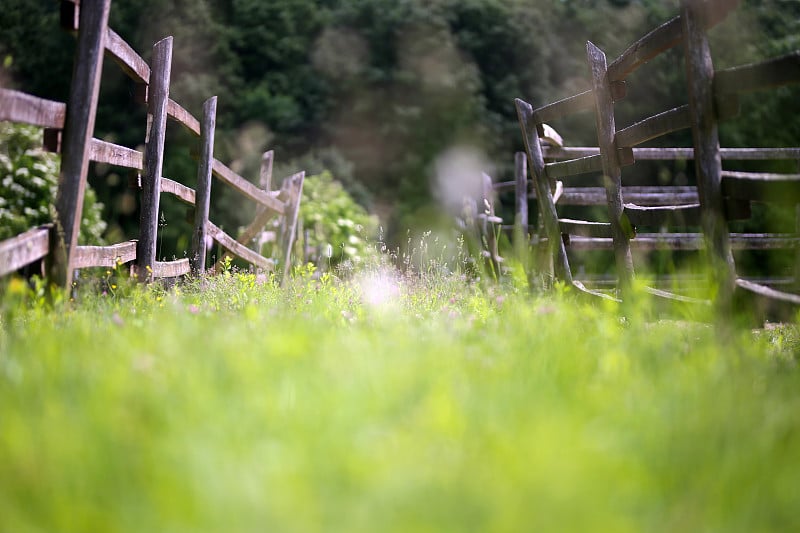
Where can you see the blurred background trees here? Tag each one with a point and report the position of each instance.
(376, 91)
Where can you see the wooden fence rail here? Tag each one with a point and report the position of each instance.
(719, 196)
(69, 131)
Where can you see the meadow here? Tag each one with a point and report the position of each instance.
(387, 402)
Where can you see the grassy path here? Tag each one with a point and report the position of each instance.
(390, 407)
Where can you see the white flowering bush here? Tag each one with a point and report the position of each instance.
(339, 229)
(28, 184)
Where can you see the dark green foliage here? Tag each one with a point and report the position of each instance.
(28, 184)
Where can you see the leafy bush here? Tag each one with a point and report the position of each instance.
(28, 185)
(338, 227)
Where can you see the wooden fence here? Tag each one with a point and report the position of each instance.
(719, 196)
(69, 130)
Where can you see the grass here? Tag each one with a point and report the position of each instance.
(388, 404)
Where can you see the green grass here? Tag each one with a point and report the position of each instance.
(446, 407)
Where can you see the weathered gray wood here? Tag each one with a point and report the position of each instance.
(77, 137)
(171, 269)
(758, 76)
(239, 249)
(158, 94)
(660, 39)
(768, 292)
(690, 242)
(584, 228)
(265, 176)
(612, 174)
(487, 224)
(647, 196)
(667, 215)
(126, 57)
(114, 154)
(663, 38)
(203, 193)
(290, 222)
(708, 164)
(105, 256)
(573, 167)
(521, 237)
(183, 117)
(762, 187)
(549, 135)
(655, 126)
(567, 106)
(547, 208)
(681, 281)
(182, 192)
(24, 249)
(676, 297)
(20, 107)
(234, 180)
(665, 154)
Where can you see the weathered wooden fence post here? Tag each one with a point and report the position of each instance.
(78, 132)
(708, 163)
(521, 233)
(265, 178)
(290, 222)
(621, 229)
(487, 226)
(203, 194)
(157, 98)
(547, 208)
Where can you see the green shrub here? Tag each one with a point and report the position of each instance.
(28, 184)
(338, 227)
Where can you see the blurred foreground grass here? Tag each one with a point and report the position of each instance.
(388, 405)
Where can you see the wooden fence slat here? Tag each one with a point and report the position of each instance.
(758, 76)
(203, 195)
(768, 292)
(234, 180)
(114, 154)
(171, 269)
(77, 137)
(690, 242)
(547, 208)
(16, 106)
(239, 249)
(567, 106)
(660, 39)
(654, 126)
(126, 57)
(24, 249)
(158, 94)
(612, 174)
(665, 154)
(573, 167)
(588, 196)
(104, 256)
(180, 191)
(584, 228)
(708, 164)
(521, 237)
(663, 38)
(183, 117)
(289, 233)
(776, 188)
(265, 175)
(671, 215)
